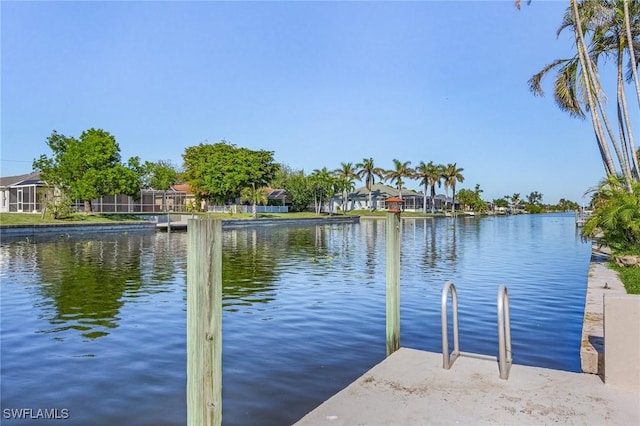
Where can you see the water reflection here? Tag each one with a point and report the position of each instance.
(303, 311)
(84, 281)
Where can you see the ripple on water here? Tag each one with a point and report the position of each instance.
(98, 326)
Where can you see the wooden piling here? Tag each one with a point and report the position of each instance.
(204, 322)
(393, 282)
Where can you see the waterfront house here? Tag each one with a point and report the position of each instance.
(27, 193)
(22, 193)
(413, 201)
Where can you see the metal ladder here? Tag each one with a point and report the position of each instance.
(504, 332)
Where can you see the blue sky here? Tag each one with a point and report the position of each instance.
(318, 83)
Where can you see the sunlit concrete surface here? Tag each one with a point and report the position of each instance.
(411, 388)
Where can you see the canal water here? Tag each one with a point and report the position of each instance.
(93, 326)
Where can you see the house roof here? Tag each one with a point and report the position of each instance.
(380, 190)
(184, 187)
(32, 178)
(276, 193)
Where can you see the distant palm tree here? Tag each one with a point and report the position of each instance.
(421, 173)
(434, 176)
(400, 170)
(368, 171)
(322, 184)
(346, 174)
(428, 175)
(255, 196)
(451, 175)
(515, 200)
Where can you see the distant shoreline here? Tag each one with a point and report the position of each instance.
(31, 230)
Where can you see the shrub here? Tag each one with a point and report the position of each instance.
(616, 215)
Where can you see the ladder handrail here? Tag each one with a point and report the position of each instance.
(449, 358)
(504, 358)
(504, 333)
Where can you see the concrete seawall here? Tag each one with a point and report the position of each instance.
(179, 222)
(601, 281)
(73, 228)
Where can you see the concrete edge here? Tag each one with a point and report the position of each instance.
(601, 280)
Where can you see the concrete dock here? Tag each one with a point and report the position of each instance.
(411, 388)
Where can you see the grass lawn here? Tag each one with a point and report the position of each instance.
(37, 219)
(629, 276)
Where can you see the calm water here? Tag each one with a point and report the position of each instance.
(96, 324)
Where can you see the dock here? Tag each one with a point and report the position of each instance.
(410, 387)
(177, 222)
(582, 216)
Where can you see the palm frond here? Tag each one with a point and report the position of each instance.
(535, 81)
(565, 90)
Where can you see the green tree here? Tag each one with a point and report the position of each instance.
(299, 191)
(452, 174)
(428, 175)
(501, 202)
(565, 205)
(601, 28)
(434, 176)
(368, 171)
(347, 174)
(280, 177)
(470, 199)
(88, 167)
(466, 197)
(161, 176)
(616, 215)
(515, 200)
(534, 198)
(255, 196)
(323, 188)
(400, 170)
(218, 172)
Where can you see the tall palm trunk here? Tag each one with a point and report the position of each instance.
(626, 137)
(433, 199)
(453, 199)
(632, 53)
(589, 75)
(424, 199)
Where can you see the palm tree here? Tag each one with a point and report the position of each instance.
(421, 174)
(369, 171)
(515, 200)
(400, 170)
(434, 176)
(346, 173)
(616, 214)
(322, 187)
(429, 175)
(453, 174)
(612, 29)
(255, 196)
(534, 198)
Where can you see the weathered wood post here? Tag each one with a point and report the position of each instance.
(204, 322)
(169, 223)
(393, 274)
